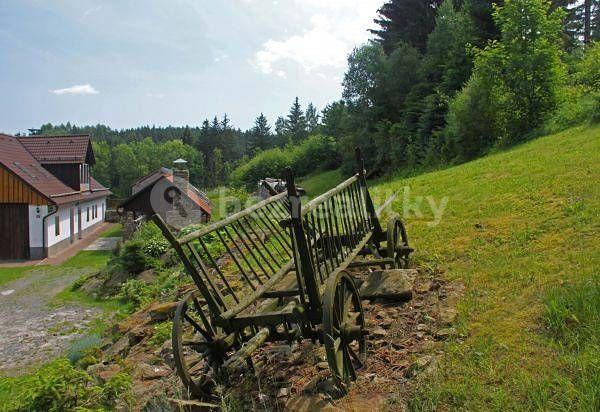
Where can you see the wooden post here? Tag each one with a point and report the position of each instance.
(304, 265)
(362, 179)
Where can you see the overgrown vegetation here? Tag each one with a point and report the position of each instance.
(60, 386)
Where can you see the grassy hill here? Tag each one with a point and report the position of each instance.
(520, 229)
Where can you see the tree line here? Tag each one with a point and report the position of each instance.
(442, 81)
(213, 150)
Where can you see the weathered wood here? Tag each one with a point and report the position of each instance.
(230, 219)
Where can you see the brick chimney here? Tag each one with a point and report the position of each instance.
(180, 171)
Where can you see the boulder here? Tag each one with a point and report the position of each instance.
(390, 285)
(116, 279)
(119, 348)
(162, 311)
(147, 276)
(139, 318)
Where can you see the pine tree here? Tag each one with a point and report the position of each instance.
(409, 21)
(296, 122)
(281, 128)
(260, 135)
(312, 118)
(187, 137)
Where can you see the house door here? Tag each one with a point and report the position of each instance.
(78, 222)
(72, 224)
(14, 231)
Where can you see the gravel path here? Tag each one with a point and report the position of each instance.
(32, 329)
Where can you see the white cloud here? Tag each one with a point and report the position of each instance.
(77, 89)
(336, 26)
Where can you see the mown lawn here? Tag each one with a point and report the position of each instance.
(115, 230)
(520, 230)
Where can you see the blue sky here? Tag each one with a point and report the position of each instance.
(130, 63)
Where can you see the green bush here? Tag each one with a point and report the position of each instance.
(269, 163)
(132, 258)
(312, 154)
(162, 333)
(136, 293)
(59, 386)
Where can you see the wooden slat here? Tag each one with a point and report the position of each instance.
(14, 190)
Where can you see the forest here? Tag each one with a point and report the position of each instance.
(441, 82)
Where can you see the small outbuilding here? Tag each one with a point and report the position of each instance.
(169, 193)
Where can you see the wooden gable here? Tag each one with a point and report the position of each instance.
(15, 190)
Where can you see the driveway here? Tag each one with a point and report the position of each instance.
(33, 329)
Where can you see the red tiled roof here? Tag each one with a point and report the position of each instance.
(60, 149)
(19, 161)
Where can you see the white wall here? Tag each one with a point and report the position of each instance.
(36, 219)
(65, 224)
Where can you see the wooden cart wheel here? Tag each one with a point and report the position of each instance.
(195, 352)
(397, 243)
(343, 329)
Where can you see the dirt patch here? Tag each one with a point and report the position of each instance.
(405, 340)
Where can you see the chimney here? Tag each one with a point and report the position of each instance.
(180, 171)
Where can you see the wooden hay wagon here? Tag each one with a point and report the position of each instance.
(276, 271)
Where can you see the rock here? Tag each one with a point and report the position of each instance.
(422, 327)
(103, 372)
(307, 403)
(149, 372)
(445, 333)
(162, 311)
(147, 276)
(137, 334)
(92, 285)
(119, 348)
(116, 279)
(166, 352)
(323, 365)
(391, 285)
(448, 316)
(379, 332)
(139, 318)
(283, 393)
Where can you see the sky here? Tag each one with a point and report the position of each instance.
(176, 62)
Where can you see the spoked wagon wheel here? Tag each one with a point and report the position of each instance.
(195, 348)
(343, 329)
(397, 243)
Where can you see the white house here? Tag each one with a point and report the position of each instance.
(48, 198)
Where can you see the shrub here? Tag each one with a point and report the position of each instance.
(162, 333)
(132, 258)
(266, 164)
(312, 154)
(136, 293)
(84, 347)
(59, 386)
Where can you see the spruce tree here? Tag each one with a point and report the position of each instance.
(312, 118)
(260, 135)
(296, 122)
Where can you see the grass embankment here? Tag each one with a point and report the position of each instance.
(115, 230)
(521, 231)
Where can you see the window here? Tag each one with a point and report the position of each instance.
(88, 214)
(95, 211)
(56, 226)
